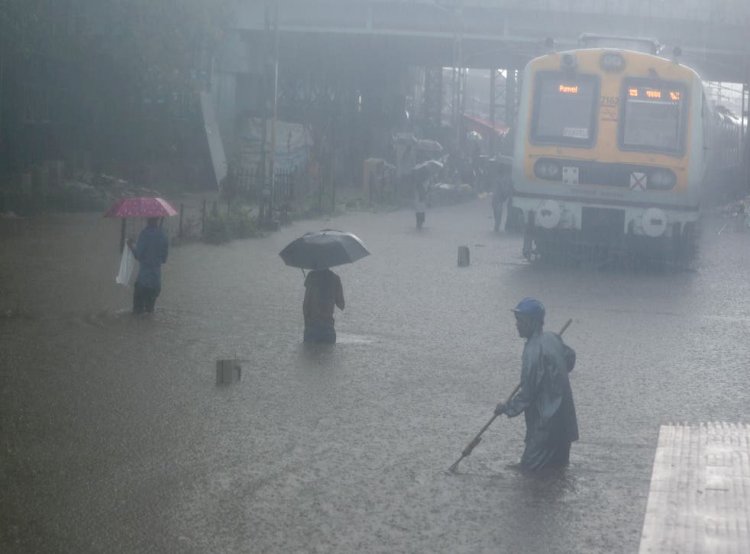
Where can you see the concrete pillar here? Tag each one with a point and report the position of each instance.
(433, 96)
(745, 131)
(510, 97)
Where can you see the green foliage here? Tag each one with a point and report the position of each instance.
(77, 197)
(216, 230)
(306, 208)
(242, 225)
(238, 224)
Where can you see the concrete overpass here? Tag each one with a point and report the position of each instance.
(346, 66)
(507, 33)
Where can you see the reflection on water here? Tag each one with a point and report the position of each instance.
(345, 338)
(107, 318)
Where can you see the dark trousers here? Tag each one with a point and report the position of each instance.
(144, 298)
(497, 209)
(537, 457)
(420, 219)
(317, 332)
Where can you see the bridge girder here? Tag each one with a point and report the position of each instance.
(507, 33)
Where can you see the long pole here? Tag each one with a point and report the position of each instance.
(478, 438)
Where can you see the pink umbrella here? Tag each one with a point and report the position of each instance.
(141, 206)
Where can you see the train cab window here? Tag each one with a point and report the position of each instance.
(653, 116)
(565, 107)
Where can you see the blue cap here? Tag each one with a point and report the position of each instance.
(531, 307)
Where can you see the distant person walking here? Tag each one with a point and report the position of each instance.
(150, 251)
(545, 396)
(420, 202)
(500, 195)
(323, 291)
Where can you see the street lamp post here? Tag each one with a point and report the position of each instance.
(270, 76)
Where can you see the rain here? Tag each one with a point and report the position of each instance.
(265, 268)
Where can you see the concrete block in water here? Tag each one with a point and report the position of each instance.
(228, 372)
(463, 256)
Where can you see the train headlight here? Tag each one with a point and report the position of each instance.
(612, 61)
(547, 169)
(568, 62)
(662, 179)
(548, 214)
(654, 222)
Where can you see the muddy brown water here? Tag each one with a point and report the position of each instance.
(115, 437)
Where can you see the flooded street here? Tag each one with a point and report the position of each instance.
(115, 437)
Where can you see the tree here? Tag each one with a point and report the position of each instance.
(110, 76)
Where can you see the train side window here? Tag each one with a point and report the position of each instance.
(565, 109)
(654, 116)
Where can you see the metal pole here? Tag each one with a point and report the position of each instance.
(272, 167)
(743, 114)
(454, 85)
(493, 100)
(122, 234)
(461, 76)
(264, 113)
(203, 218)
(332, 165)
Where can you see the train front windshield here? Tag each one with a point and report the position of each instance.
(653, 116)
(565, 109)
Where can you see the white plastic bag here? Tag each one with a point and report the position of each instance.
(127, 263)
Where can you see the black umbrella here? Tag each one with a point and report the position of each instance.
(326, 248)
(432, 165)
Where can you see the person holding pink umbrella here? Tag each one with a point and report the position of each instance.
(150, 251)
(151, 248)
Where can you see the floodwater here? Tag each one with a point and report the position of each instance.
(116, 438)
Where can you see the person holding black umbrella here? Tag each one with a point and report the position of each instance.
(323, 291)
(319, 252)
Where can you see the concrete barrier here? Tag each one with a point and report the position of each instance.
(228, 372)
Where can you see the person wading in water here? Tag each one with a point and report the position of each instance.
(545, 396)
(323, 291)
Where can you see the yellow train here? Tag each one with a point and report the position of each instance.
(615, 150)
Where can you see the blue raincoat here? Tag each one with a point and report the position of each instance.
(151, 251)
(546, 399)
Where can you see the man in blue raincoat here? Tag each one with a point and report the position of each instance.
(545, 396)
